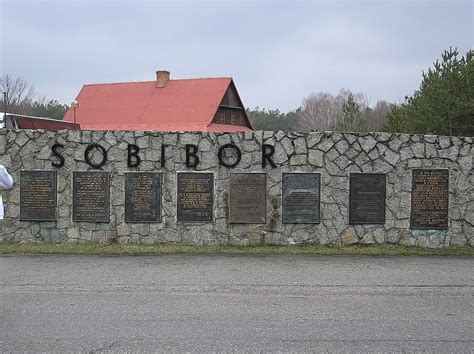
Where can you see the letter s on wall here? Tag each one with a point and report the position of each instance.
(56, 153)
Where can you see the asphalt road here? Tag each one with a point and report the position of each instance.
(243, 303)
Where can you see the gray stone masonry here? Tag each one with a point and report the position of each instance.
(333, 155)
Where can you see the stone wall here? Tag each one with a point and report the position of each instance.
(332, 154)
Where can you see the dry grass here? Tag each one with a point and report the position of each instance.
(94, 249)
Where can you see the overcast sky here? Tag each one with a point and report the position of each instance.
(278, 52)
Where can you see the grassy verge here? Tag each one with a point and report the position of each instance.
(93, 249)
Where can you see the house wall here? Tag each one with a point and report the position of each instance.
(231, 110)
(334, 155)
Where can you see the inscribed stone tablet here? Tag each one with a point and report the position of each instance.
(301, 198)
(429, 199)
(142, 197)
(367, 198)
(38, 195)
(247, 198)
(91, 196)
(195, 196)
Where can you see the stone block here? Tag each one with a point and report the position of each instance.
(444, 142)
(342, 146)
(3, 144)
(278, 135)
(287, 145)
(395, 143)
(367, 239)
(349, 237)
(312, 139)
(300, 145)
(325, 145)
(418, 150)
(405, 237)
(298, 160)
(406, 153)
(268, 135)
(255, 237)
(367, 143)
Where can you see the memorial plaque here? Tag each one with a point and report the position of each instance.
(429, 199)
(38, 195)
(91, 196)
(142, 197)
(367, 198)
(195, 196)
(301, 198)
(248, 198)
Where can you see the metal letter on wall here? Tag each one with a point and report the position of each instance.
(91, 196)
(430, 199)
(301, 198)
(38, 195)
(248, 198)
(142, 197)
(367, 198)
(195, 197)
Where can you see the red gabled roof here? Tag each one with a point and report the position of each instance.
(20, 121)
(182, 105)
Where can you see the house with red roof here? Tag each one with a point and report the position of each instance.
(205, 104)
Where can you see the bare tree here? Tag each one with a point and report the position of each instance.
(320, 111)
(20, 94)
(323, 111)
(377, 115)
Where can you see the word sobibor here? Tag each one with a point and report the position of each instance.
(192, 159)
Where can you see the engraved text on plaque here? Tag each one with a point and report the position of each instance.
(91, 196)
(429, 199)
(38, 195)
(195, 196)
(301, 197)
(247, 198)
(367, 198)
(142, 197)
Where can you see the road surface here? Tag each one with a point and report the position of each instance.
(244, 303)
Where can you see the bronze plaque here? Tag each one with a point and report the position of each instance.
(195, 196)
(301, 198)
(91, 196)
(429, 199)
(367, 198)
(248, 198)
(142, 197)
(38, 195)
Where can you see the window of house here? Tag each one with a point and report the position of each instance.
(228, 119)
(235, 118)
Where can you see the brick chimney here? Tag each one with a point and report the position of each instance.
(162, 77)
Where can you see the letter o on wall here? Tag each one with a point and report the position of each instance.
(221, 151)
(102, 150)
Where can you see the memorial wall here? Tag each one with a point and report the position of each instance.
(237, 188)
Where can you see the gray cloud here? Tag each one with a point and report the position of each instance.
(277, 52)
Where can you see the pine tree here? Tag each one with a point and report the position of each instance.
(444, 104)
(352, 119)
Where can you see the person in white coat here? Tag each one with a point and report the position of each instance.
(6, 182)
